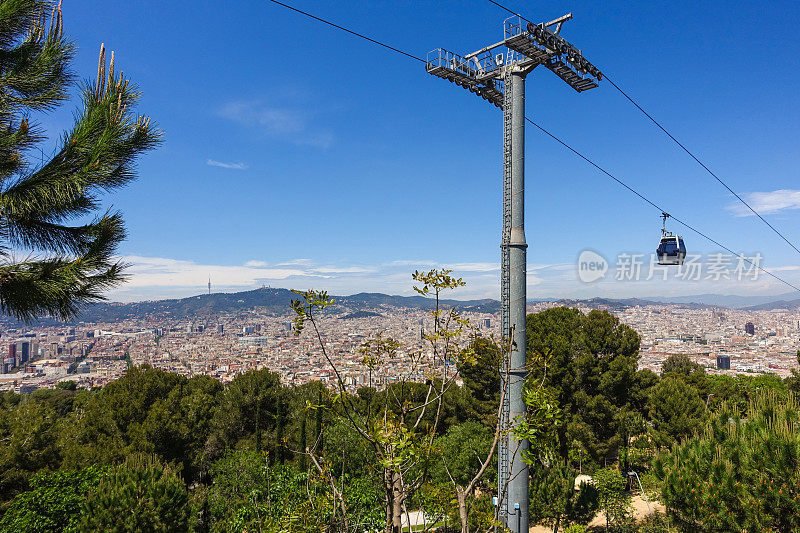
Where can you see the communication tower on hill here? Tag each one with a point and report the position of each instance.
(497, 74)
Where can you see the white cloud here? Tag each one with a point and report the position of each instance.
(158, 278)
(272, 119)
(767, 202)
(232, 166)
(284, 122)
(787, 268)
(165, 272)
(475, 267)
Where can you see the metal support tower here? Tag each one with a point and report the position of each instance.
(500, 79)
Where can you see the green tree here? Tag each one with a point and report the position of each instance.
(676, 410)
(467, 462)
(145, 411)
(481, 377)
(682, 365)
(54, 502)
(555, 501)
(28, 435)
(614, 501)
(247, 413)
(592, 371)
(742, 473)
(141, 494)
(67, 385)
(68, 265)
(462, 450)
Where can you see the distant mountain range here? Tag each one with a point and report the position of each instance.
(791, 305)
(780, 301)
(277, 301)
(270, 300)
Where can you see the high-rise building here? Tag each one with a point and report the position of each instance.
(487, 323)
(724, 362)
(220, 328)
(23, 352)
(750, 328)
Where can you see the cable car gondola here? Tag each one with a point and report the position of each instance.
(671, 250)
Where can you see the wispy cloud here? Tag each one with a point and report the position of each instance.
(291, 123)
(787, 268)
(232, 166)
(767, 202)
(159, 277)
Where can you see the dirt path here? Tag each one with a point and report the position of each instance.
(640, 511)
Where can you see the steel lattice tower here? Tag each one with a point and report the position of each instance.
(499, 78)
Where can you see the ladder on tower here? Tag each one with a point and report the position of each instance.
(505, 296)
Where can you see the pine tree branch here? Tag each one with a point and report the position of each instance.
(98, 154)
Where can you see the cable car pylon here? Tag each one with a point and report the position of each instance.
(499, 78)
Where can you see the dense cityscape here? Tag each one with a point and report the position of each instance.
(94, 354)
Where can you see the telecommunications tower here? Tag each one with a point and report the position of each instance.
(497, 74)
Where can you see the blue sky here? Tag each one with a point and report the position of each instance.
(296, 155)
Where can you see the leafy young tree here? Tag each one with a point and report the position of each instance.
(248, 494)
(402, 433)
(466, 451)
(39, 200)
(614, 501)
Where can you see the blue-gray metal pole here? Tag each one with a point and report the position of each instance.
(518, 475)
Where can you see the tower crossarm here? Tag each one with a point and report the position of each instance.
(471, 74)
(565, 60)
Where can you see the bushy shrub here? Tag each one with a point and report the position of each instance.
(53, 504)
(142, 494)
(741, 473)
(656, 522)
